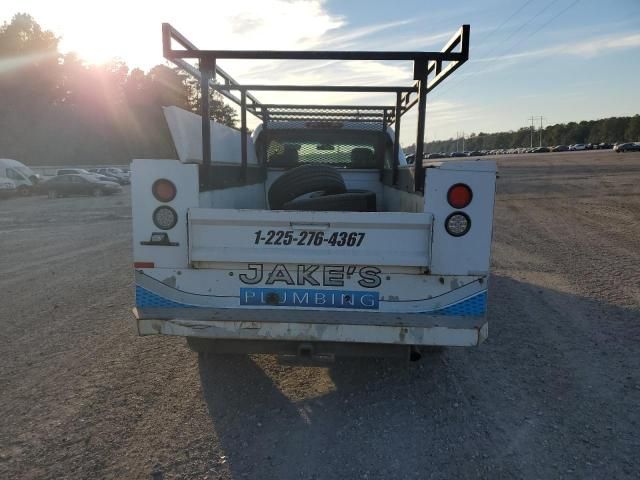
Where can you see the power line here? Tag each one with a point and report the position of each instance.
(550, 4)
(519, 29)
(504, 22)
(542, 26)
(483, 40)
(509, 49)
(516, 31)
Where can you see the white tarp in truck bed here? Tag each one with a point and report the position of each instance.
(186, 132)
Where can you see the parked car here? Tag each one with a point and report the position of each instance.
(433, 156)
(457, 154)
(105, 178)
(22, 176)
(577, 146)
(605, 146)
(7, 187)
(124, 171)
(73, 171)
(76, 184)
(627, 147)
(541, 150)
(474, 153)
(117, 174)
(560, 148)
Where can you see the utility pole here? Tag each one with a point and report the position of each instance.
(463, 141)
(457, 138)
(532, 119)
(531, 133)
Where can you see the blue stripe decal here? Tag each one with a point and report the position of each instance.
(471, 306)
(475, 305)
(145, 298)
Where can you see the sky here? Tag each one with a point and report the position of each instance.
(564, 60)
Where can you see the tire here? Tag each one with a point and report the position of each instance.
(371, 198)
(52, 194)
(24, 191)
(97, 192)
(304, 179)
(342, 202)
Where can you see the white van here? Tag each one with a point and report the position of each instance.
(24, 178)
(7, 187)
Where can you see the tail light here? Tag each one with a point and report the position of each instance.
(164, 190)
(165, 218)
(459, 195)
(143, 265)
(457, 224)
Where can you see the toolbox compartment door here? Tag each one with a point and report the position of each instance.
(266, 236)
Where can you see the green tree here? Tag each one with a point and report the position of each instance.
(29, 56)
(219, 110)
(632, 133)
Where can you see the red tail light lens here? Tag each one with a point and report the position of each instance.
(459, 195)
(143, 265)
(164, 190)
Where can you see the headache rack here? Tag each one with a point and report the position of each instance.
(429, 70)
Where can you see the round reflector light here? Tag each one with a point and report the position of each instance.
(165, 217)
(164, 190)
(459, 195)
(457, 224)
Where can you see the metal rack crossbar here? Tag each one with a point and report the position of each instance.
(429, 70)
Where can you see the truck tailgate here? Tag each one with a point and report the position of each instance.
(374, 238)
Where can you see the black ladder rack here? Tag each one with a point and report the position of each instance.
(429, 70)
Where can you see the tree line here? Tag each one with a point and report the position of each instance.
(56, 109)
(37, 75)
(607, 130)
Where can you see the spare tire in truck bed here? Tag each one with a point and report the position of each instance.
(304, 179)
(358, 201)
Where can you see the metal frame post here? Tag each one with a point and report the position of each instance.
(243, 133)
(396, 142)
(265, 127)
(420, 74)
(207, 72)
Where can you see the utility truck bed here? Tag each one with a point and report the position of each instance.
(312, 235)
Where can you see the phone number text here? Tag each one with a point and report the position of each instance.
(309, 238)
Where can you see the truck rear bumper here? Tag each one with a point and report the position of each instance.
(314, 326)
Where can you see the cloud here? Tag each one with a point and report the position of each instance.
(242, 24)
(346, 38)
(88, 27)
(587, 48)
(601, 45)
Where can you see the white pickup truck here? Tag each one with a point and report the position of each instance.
(311, 236)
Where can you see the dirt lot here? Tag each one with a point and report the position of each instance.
(553, 393)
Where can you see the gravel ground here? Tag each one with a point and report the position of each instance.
(553, 393)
